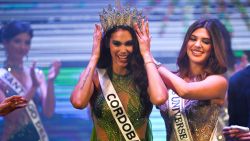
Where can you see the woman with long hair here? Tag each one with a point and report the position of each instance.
(197, 89)
(120, 69)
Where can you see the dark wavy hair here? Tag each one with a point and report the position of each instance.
(13, 28)
(217, 61)
(231, 59)
(135, 64)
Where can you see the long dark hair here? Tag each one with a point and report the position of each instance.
(13, 28)
(135, 64)
(217, 61)
(228, 44)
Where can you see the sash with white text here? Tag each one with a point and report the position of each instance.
(116, 107)
(31, 109)
(180, 123)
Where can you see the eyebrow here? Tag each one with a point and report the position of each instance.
(123, 42)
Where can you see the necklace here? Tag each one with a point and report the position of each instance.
(12, 67)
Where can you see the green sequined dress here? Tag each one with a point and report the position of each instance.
(102, 115)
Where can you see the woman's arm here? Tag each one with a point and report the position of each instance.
(213, 87)
(35, 80)
(47, 89)
(156, 87)
(85, 87)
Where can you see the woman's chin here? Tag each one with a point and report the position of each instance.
(123, 64)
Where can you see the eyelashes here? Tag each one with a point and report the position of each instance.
(118, 43)
(205, 40)
(128, 43)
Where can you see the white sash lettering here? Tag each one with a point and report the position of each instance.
(180, 124)
(31, 109)
(116, 107)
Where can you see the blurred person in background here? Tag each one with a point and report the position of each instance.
(24, 124)
(239, 105)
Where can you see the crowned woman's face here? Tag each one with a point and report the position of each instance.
(18, 46)
(121, 46)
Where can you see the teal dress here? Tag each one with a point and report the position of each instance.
(124, 87)
(26, 133)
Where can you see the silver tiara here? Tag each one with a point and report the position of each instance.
(118, 15)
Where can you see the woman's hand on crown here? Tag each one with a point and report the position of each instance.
(97, 37)
(144, 37)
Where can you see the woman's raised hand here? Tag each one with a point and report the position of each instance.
(143, 37)
(35, 80)
(97, 41)
(54, 70)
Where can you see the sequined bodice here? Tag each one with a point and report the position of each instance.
(130, 99)
(202, 117)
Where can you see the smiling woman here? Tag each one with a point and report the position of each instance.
(121, 47)
(121, 83)
(199, 47)
(198, 88)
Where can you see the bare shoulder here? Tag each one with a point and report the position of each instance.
(217, 78)
(219, 84)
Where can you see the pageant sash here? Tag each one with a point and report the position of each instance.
(180, 123)
(116, 107)
(31, 109)
(213, 136)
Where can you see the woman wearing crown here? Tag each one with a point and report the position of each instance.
(116, 82)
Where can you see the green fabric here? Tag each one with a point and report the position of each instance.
(125, 87)
(148, 134)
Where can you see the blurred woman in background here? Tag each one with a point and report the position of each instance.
(24, 124)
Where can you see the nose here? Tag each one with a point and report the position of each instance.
(24, 45)
(123, 48)
(198, 43)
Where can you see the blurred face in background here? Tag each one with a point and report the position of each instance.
(18, 46)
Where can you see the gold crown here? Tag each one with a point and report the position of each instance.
(118, 15)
